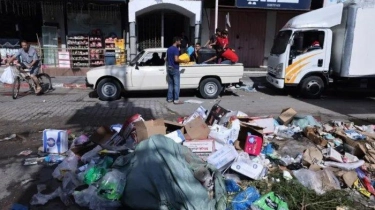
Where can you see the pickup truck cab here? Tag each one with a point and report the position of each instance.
(145, 73)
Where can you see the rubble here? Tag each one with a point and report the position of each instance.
(217, 160)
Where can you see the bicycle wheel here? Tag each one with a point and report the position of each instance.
(16, 87)
(45, 82)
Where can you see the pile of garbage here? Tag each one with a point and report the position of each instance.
(207, 160)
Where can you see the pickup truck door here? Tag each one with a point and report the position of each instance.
(150, 73)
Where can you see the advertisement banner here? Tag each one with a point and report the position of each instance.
(275, 4)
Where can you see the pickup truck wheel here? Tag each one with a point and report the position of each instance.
(109, 89)
(210, 88)
(312, 87)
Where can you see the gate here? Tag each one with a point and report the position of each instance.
(149, 30)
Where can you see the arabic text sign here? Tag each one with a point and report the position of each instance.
(275, 4)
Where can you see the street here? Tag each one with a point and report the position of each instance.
(73, 109)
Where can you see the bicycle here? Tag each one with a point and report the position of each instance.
(23, 75)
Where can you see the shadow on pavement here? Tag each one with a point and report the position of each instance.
(21, 181)
(344, 101)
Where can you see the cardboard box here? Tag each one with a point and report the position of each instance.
(197, 129)
(203, 155)
(201, 146)
(223, 157)
(286, 116)
(244, 129)
(312, 157)
(312, 134)
(252, 170)
(145, 129)
(332, 154)
(55, 141)
(356, 145)
(268, 124)
(216, 113)
(174, 126)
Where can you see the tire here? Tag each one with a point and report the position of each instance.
(108, 89)
(45, 82)
(312, 87)
(210, 88)
(16, 87)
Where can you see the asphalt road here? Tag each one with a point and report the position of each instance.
(73, 109)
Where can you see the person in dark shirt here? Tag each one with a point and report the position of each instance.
(195, 55)
(155, 60)
(212, 41)
(173, 72)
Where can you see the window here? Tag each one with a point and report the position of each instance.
(153, 59)
(307, 41)
(280, 42)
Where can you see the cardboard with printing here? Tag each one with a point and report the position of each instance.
(145, 129)
(55, 141)
(223, 157)
(252, 170)
(197, 129)
(215, 115)
(332, 154)
(201, 146)
(286, 116)
(312, 157)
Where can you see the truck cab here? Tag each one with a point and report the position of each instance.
(301, 53)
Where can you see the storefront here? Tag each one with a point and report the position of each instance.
(155, 23)
(253, 26)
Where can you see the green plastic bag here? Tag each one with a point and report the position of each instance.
(98, 171)
(270, 201)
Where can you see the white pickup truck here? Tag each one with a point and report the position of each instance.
(139, 75)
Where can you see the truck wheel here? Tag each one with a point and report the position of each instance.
(312, 87)
(210, 88)
(108, 89)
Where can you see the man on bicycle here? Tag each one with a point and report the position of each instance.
(29, 60)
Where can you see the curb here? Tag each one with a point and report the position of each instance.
(54, 85)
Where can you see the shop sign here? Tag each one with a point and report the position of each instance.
(275, 4)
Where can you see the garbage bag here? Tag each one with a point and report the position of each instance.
(321, 181)
(270, 201)
(160, 175)
(244, 199)
(8, 76)
(69, 164)
(89, 198)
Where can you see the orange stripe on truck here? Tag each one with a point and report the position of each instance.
(290, 69)
(296, 74)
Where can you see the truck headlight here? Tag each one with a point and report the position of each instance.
(279, 70)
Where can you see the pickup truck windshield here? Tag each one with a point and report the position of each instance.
(134, 61)
(280, 42)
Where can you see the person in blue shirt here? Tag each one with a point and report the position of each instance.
(173, 70)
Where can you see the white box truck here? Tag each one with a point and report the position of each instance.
(330, 45)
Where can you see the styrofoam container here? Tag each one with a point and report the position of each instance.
(55, 141)
(223, 157)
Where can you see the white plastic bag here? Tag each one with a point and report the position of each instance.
(8, 76)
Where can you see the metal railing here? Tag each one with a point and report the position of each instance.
(52, 57)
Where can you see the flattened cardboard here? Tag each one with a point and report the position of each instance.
(145, 129)
(286, 116)
(357, 151)
(268, 124)
(201, 146)
(197, 129)
(349, 178)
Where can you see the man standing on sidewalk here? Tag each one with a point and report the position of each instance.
(173, 71)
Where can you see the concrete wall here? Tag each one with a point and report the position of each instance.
(270, 34)
(205, 27)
